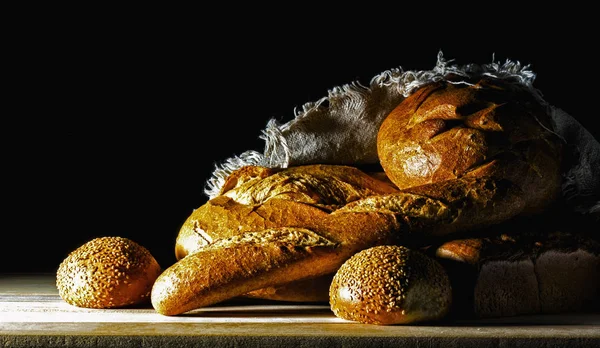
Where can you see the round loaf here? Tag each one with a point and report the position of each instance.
(490, 127)
(388, 285)
(107, 272)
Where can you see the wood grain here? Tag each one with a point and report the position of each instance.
(33, 315)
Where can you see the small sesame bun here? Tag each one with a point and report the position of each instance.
(388, 285)
(107, 272)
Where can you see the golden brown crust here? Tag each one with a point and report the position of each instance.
(256, 260)
(222, 217)
(266, 198)
(244, 175)
(388, 285)
(466, 250)
(446, 207)
(325, 186)
(107, 272)
(446, 131)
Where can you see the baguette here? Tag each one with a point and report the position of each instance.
(261, 259)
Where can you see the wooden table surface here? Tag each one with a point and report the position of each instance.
(33, 315)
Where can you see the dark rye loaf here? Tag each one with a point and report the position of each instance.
(544, 265)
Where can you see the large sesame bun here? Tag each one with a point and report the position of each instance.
(389, 285)
(107, 272)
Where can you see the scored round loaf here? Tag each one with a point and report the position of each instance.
(388, 285)
(107, 272)
(491, 127)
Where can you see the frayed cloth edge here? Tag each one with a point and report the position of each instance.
(277, 152)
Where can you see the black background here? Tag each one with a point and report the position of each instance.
(113, 122)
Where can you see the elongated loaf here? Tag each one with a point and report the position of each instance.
(324, 187)
(256, 260)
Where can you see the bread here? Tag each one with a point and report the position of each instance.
(321, 188)
(524, 268)
(489, 156)
(492, 128)
(107, 272)
(390, 284)
(265, 258)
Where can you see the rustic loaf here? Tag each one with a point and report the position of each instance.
(486, 128)
(524, 267)
(318, 189)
